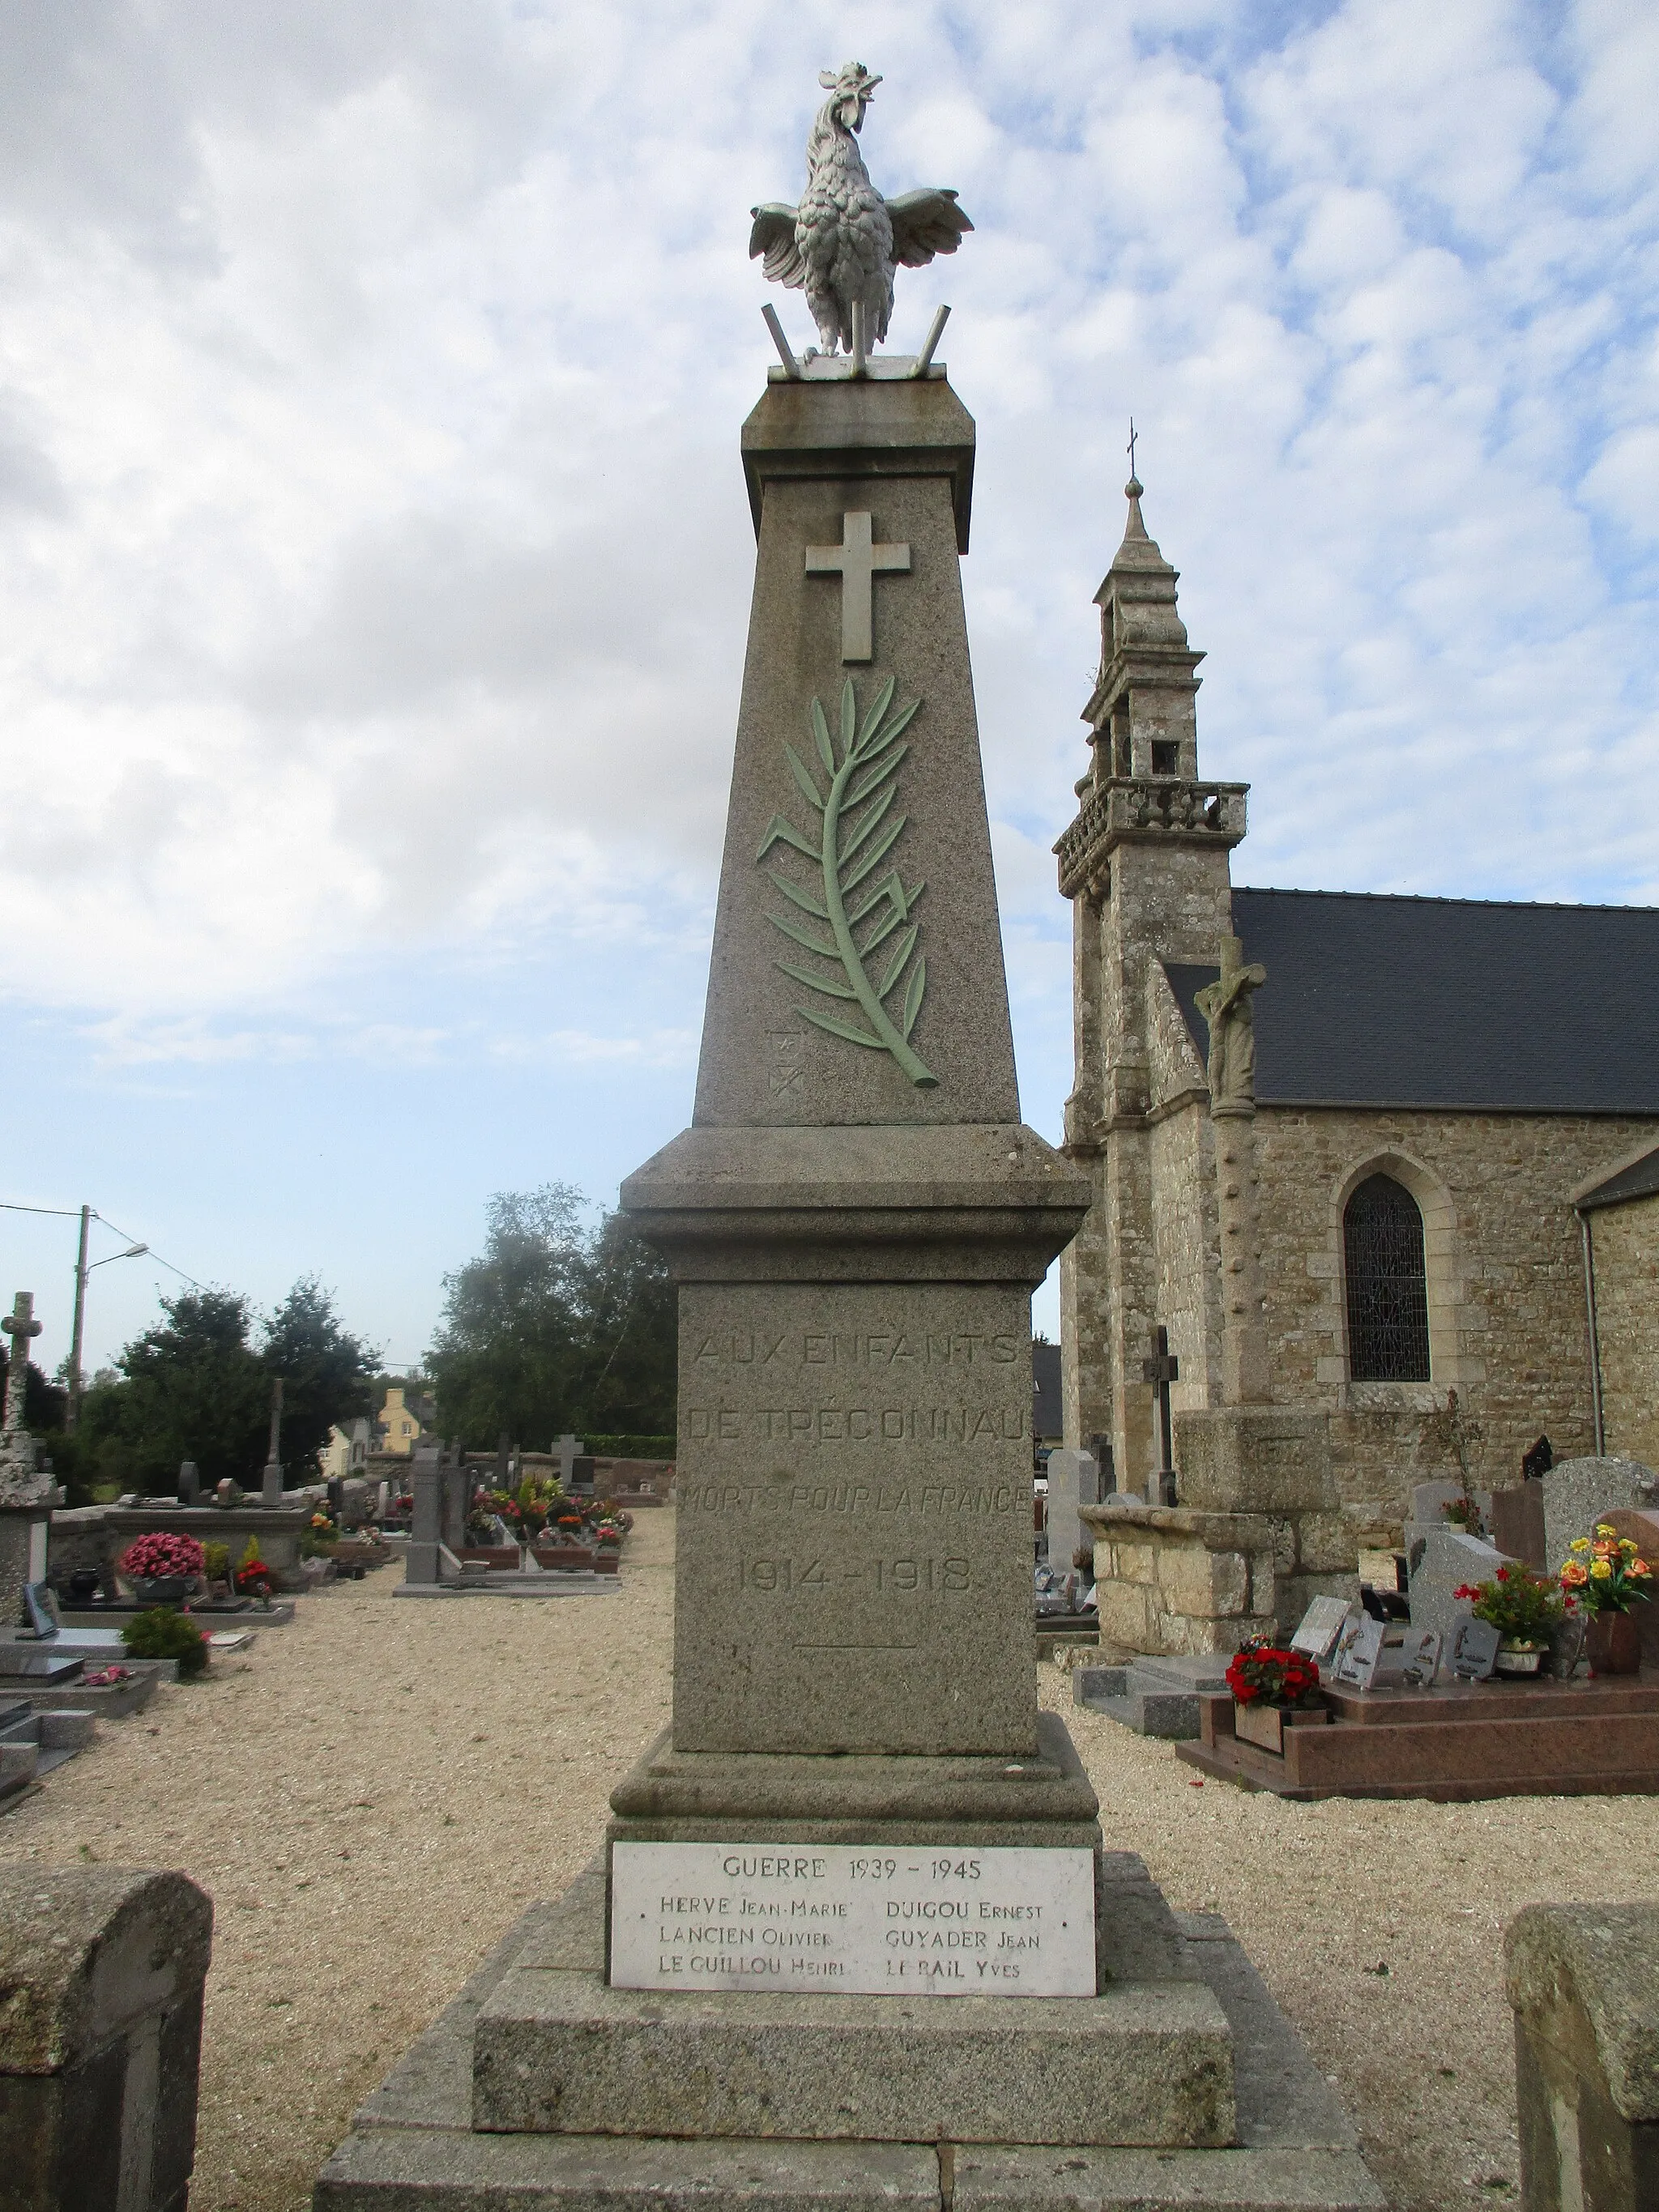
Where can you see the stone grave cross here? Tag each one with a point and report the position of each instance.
(272, 1488)
(20, 1326)
(858, 561)
(567, 1450)
(1160, 1371)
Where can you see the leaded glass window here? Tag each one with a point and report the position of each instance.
(1388, 1289)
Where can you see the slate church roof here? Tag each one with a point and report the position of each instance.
(1455, 1003)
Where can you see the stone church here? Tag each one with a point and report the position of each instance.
(1350, 1151)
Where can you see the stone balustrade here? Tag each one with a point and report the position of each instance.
(1177, 805)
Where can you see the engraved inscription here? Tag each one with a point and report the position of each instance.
(1000, 1921)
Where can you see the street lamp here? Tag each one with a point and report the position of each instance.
(82, 1271)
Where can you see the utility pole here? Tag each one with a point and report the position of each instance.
(74, 1405)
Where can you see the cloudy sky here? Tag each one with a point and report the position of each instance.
(374, 559)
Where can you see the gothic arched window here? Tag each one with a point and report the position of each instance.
(1388, 1287)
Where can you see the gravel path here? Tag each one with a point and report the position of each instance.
(372, 1794)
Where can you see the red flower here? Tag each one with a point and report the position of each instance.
(1502, 1575)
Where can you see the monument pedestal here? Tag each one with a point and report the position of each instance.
(857, 1781)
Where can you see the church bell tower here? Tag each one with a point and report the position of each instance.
(1145, 867)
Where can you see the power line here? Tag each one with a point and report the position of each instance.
(152, 1251)
(73, 1213)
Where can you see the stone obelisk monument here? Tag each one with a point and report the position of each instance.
(853, 1911)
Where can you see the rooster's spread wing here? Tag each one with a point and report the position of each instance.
(924, 223)
(773, 235)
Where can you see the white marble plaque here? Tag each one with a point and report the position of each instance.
(903, 1921)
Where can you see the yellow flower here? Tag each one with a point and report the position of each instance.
(1580, 1544)
(1627, 1544)
(1574, 1574)
(1601, 1571)
(1606, 1528)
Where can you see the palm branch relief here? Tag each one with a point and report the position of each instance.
(856, 831)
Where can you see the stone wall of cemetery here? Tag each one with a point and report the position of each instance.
(1627, 1245)
(1507, 1319)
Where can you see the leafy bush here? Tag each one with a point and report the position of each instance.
(163, 1633)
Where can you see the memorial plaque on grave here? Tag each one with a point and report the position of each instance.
(1319, 1627)
(1359, 1652)
(1420, 1659)
(905, 1921)
(1473, 1651)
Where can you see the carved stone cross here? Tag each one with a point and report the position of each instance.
(567, 1450)
(20, 1326)
(1160, 1371)
(858, 561)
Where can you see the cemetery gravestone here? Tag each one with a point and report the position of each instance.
(1443, 1561)
(27, 1490)
(1071, 1483)
(1579, 1492)
(190, 1484)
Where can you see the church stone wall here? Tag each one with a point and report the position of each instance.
(1626, 1247)
(1509, 1327)
(1189, 1259)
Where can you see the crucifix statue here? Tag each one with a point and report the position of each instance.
(858, 560)
(20, 1326)
(1160, 1371)
(1226, 1006)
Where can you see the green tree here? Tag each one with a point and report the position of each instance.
(554, 1326)
(192, 1389)
(327, 1374)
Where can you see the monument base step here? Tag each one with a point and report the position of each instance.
(1153, 1696)
(1041, 1797)
(550, 1581)
(1294, 2149)
(1454, 1743)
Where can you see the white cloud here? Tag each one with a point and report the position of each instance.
(372, 540)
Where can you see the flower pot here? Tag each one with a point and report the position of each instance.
(502, 1557)
(566, 1556)
(1517, 1659)
(162, 1590)
(606, 1563)
(1613, 1641)
(1265, 1725)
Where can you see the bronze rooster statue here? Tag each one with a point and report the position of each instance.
(842, 242)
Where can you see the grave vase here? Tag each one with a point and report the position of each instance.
(1614, 1642)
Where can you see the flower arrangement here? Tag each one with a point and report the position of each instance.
(320, 1538)
(608, 1532)
(1607, 1573)
(253, 1577)
(1523, 1606)
(1261, 1672)
(158, 1557)
(537, 1499)
(215, 1562)
(107, 1678)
